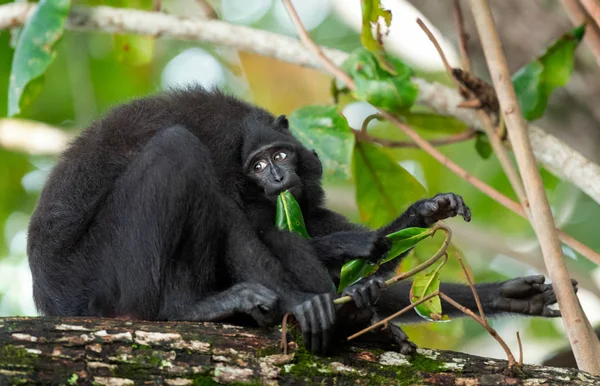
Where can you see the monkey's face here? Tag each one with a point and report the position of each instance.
(273, 168)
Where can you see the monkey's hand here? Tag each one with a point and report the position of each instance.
(259, 302)
(441, 207)
(367, 293)
(527, 295)
(316, 317)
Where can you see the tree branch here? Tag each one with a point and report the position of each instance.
(585, 346)
(69, 351)
(559, 158)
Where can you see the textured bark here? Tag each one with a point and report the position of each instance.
(70, 351)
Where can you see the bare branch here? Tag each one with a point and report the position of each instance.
(585, 346)
(520, 349)
(454, 138)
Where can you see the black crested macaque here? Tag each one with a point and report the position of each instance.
(164, 210)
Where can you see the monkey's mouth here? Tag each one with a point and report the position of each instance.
(296, 191)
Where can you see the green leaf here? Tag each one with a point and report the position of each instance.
(527, 83)
(326, 131)
(535, 82)
(404, 240)
(372, 11)
(482, 145)
(384, 189)
(289, 215)
(376, 85)
(35, 52)
(424, 286)
(355, 270)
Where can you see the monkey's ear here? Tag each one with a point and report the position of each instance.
(281, 122)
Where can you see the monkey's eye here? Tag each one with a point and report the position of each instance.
(260, 166)
(280, 156)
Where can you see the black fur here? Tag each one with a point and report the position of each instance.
(152, 214)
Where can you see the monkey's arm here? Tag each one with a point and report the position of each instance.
(337, 240)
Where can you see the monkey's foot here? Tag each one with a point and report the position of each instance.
(396, 335)
(527, 295)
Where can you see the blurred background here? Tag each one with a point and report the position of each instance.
(94, 71)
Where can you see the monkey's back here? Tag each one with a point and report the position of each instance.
(86, 172)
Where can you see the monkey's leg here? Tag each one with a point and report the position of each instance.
(157, 238)
(523, 296)
(528, 296)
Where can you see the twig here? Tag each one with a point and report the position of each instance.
(520, 349)
(424, 265)
(463, 37)
(559, 158)
(482, 319)
(470, 281)
(309, 43)
(484, 324)
(578, 16)
(384, 322)
(439, 50)
(451, 139)
(284, 343)
(586, 346)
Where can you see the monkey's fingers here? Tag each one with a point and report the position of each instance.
(303, 320)
(324, 321)
(315, 328)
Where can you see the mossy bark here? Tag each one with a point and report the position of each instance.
(74, 351)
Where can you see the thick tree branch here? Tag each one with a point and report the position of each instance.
(555, 155)
(69, 351)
